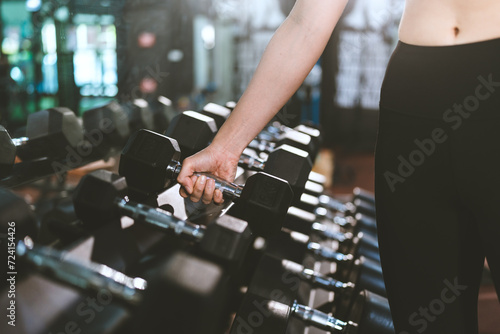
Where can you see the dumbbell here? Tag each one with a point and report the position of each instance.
(260, 315)
(49, 133)
(363, 195)
(139, 114)
(187, 293)
(150, 163)
(276, 132)
(299, 137)
(308, 209)
(217, 112)
(193, 131)
(106, 127)
(58, 222)
(316, 187)
(274, 273)
(295, 246)
(293, 138)
(163, 112)
(351, 241)
(99, 199)
(357, 205)
(17, 220)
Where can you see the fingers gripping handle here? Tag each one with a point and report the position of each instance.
(229, 190)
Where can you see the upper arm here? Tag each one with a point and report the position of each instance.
(319, 16)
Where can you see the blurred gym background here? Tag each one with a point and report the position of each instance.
(83, 53)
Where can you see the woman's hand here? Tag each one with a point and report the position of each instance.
(211, 160)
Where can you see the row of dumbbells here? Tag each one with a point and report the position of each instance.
(57, 134)
(264, 203)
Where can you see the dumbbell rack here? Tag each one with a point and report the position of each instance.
(134, 250)
(30, 171)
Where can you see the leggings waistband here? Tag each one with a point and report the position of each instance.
(435, 81)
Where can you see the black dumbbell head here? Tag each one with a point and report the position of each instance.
(227, 238)
(139, 114)
(291, 164)
(270, 276)
(372, 314)
(95, 195)
(185, 295)
(263, 203)
(193, 131)
(7, 153)
(299, 140)
(51, 132)
(106, 126)
(367, 274)
(163, 112)
(145, 158)
(217, 112)
(230, 105)
(314, 133)
(262, 315)
(17, 215)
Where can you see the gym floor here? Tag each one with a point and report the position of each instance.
(357, 170)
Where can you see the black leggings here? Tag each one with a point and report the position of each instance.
(437, 183)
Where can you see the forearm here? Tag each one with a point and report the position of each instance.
(289, 57)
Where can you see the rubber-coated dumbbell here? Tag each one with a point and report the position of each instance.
(139, 114)
(273, 273)
(295, 246)
(163, 112)
(308, 208)
(193, 131)
(183, 287)
(261, 315)
(49, 133)
(150, 163)
(355, 242)
(17, 220)
(217, 112)
(106, 127)
(98, 199)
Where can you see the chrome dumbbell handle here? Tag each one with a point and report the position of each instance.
(318, 319)
(315, 278)
(229, 190)
(89, 276)
(328, 254)
(160, 219)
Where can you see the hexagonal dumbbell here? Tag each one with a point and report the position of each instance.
(193, 132)
(106, 127)
(217, 112)
(182, 288)
(274, 273)
(139, 114)
(49, 133)
(261, 315)
(99, 199)
(294, 246)
(151, 163)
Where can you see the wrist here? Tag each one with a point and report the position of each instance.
(228, 149)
